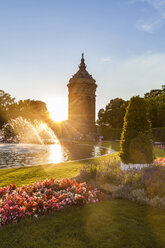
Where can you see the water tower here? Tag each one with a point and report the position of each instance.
(82, 100)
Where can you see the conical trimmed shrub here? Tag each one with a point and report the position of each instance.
(136, 139)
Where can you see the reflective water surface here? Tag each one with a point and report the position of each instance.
(12, 155)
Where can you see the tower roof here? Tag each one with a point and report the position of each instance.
(82, 72)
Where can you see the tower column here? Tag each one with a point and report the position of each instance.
(81, 100)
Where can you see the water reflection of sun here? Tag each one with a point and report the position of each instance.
(57, 108)
(56, 155)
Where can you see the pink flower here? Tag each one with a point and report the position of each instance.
(43, 197)
(160, 161)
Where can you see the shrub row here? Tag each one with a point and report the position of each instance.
(110, 133)
(158, 134)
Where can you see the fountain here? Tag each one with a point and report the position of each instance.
(22, 131)
(26, 143)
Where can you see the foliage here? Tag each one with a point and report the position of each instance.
(5, 101)
(158, 134)
(29, 109)
(113, 114)
(110, 133)
(148, 183)
(156, 110)
(43, 197)
(136, 142)
(155, 92)
(105, 171)
(156, 106)
(89, 171)
(3, 118)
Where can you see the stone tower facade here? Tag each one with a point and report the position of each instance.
(81, 109)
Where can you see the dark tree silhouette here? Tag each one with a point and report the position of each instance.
(113, 114)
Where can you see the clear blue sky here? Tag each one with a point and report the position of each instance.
(41, 42)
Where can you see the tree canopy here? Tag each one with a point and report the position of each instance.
(5, 101)
(113, 114)
(29, 109)
(156, 107)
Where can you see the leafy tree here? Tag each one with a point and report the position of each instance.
(136, 143)
(3, 118)
(113, 114)
(29, 109)
(156, 108)
(101, 117)
(155, 92)
(5, 101)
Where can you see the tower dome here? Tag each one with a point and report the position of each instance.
(82, 72)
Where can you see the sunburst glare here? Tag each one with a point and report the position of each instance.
(57, 108)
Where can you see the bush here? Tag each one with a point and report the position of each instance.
(145, 186)
(136, 142)
(3, 118)
(89, 172)
(110, 133)
(108, 171)
(158, 134)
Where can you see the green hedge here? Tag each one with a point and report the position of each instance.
(108, 133)
(158, 134)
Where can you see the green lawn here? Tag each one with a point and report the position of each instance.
(28, 175)
(116, 224)
(113, 223)
(31, 174)
(159, 153)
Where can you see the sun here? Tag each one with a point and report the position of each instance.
(57, 108)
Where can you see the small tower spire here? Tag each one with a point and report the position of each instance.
(82, 65)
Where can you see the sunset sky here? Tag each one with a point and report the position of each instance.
(41, 42)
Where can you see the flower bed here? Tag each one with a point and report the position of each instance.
(43, 197)
(146, 186)
(160, 161)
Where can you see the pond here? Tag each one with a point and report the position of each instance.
(13, 155)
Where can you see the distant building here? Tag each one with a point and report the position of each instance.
(82, 98)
